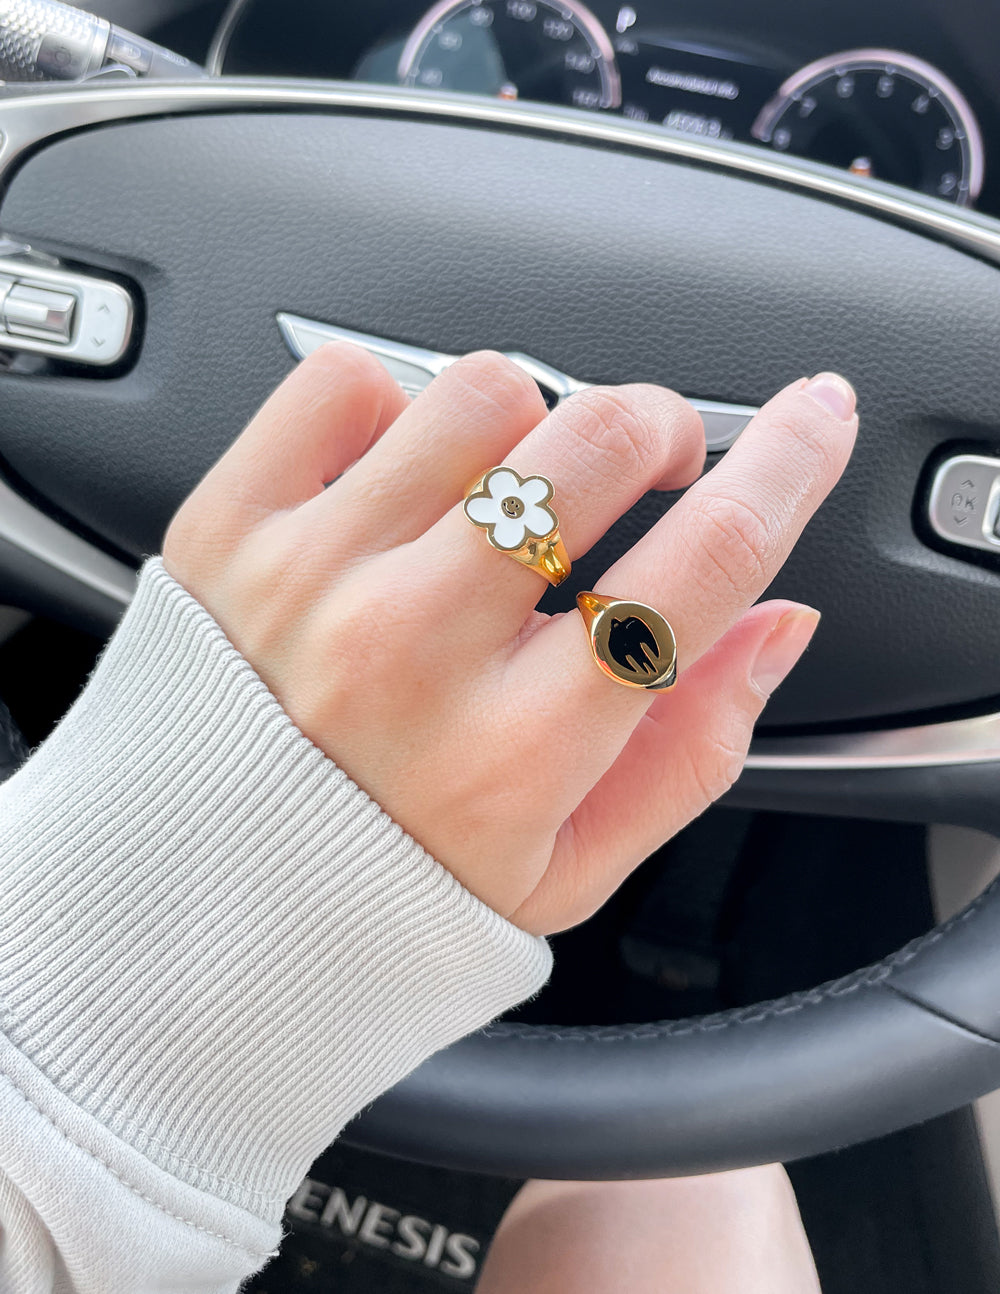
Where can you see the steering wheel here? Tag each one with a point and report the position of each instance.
(609, 252)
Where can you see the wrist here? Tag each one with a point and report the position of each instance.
(218, 944)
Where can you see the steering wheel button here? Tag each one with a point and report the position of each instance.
(50, 310)
(39, 312)
(964, 505)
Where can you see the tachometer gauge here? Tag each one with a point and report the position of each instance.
(550, 50)
(877, 112)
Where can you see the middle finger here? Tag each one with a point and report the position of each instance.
(602, 449)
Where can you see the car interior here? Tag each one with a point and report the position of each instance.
(714, 196)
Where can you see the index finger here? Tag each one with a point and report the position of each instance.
(717, 550)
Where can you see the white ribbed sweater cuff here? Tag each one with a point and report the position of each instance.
(211, 939)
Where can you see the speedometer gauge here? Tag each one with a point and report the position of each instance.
(550, 50)
(877, 112)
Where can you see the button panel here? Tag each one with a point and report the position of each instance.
(964, 506)
(54, 311)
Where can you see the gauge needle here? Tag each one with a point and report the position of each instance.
(507, 91)
(862, 166)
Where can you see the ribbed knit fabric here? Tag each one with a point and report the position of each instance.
(212, 942)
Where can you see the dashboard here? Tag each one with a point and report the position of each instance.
(905, 93)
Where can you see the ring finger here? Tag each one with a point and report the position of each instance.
(602, 449)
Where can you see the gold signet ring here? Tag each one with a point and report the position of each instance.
(631, 642)
(514, 513)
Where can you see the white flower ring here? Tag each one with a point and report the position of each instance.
(511, 509)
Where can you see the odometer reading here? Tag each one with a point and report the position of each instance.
(514, 49)
(882, 114)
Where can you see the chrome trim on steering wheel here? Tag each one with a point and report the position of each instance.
(35, 116)
(414, 367)
(28, 528)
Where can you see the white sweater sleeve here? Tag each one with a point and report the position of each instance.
(215, 949)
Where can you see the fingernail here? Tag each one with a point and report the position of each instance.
(782, 648)
(834, 393)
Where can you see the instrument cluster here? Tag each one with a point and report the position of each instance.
(865, 105)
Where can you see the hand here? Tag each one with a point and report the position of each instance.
(410, 651)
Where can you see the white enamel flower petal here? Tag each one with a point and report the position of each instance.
(509, 533)
(534, 490)
(483, 510)
(502, 484)
(538, 521)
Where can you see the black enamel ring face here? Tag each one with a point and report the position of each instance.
(631, 642)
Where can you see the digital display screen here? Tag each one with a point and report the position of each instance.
(870, 112)
(698, 92)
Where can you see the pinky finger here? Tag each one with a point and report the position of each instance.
(687, 751)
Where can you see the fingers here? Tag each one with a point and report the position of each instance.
(686, 751)
(465, 422)
(605, 448)
(323, 416)
(602, 449)
(319, 420)
(716, 551)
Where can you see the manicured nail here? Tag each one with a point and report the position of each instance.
(834, 393)
(782, 648)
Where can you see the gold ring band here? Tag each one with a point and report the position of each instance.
(632, 643)
(513, 512)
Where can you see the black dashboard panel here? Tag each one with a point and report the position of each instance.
(904, 91)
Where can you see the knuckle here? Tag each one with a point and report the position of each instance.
(615, 428)
(199, 539)
(668, 408)
(738, 541)
(818, 455)
(266, 562)
(681, 431)
(342, 370)
(493, 376)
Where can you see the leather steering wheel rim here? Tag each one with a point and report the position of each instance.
(814, 1071)
(908, 1038)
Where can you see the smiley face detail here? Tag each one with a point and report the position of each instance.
(511, 508)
